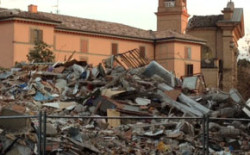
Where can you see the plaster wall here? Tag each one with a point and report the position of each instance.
(6, 44)
(22, 39)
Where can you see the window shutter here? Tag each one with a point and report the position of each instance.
(32, 36)
(142, 52)
(186, 52)
(84, 46)
(114, 48)
(40, 35)
(189, 53)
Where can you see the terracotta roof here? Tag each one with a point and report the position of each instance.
(212, 20)
(16, 13)
(95, 26)
(114, 28)
(91, 25)
(203, 21)
(176, 35)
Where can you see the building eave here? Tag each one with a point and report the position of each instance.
(149, 40)
(30, 20)
(177, 39)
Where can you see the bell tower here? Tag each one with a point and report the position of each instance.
(172, 14)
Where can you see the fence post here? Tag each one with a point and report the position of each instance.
(207, 140)
(39, 132)
(204, 134)
(44, 132)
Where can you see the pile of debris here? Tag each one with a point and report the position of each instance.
(124, 85)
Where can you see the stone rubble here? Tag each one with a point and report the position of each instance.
(75, 88)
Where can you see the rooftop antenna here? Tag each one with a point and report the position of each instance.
(57, 7)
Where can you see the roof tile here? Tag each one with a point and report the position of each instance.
(95, 26)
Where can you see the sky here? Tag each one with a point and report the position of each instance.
(136, 13)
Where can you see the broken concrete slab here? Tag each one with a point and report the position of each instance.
(61, 105)
(236, 97)
(246, 108)
(142, 101)
(155, 68)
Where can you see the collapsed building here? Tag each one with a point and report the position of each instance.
(124, 105)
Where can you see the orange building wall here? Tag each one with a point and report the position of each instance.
(164, 55)
(22, 44)
(6, 48)
(181, 61)
(171, 55)
(98, 48)
(211, 76)
(63, 44)
(172, 22)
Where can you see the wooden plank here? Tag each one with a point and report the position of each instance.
(113, 123)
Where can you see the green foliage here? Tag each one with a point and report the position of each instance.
(41, 53)
(243, 78)
(243, 63)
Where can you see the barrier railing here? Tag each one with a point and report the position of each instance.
(38, 130)
(42, 120)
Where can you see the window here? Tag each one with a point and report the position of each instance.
(142, 51)
(188, 53)
(169, 3)
(84, 46)
(54, 42)
(36, 35)
(189, 69)
(114, 48)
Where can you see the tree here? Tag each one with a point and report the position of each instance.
(246, 47)
(244, 63)
(243, 78)
(41, 53)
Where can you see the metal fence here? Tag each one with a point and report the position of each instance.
(42, 120)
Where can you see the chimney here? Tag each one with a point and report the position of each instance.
(32, 8)
(228, 11)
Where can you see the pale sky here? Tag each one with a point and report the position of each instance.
(137, 13)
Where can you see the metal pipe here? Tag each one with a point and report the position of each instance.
(106, 117)
(207, 135)
(39, 132)
(44, 132)
(230, 119)
(204, 134)
(17, 117)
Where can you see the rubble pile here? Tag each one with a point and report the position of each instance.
(112, 89)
